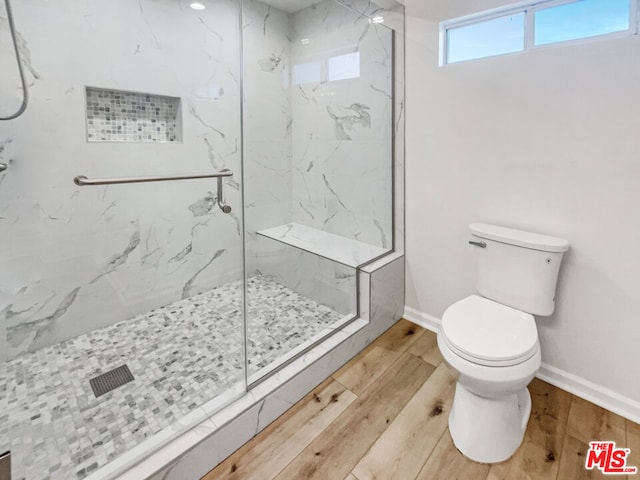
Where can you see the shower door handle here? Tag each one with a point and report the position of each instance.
(3, 167)
(83, 181)
(220, 197)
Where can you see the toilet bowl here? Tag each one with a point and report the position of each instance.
(491, 404)
(491, 341)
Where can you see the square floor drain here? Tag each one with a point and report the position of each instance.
(111, 380)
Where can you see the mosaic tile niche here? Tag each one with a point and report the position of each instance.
(119, 116)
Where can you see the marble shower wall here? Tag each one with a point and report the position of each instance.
(267, 132)
(322, 155)
(394, 18)
(342, 123)
(76, 259)
(268, 164)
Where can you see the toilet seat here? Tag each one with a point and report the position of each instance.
(488, 333)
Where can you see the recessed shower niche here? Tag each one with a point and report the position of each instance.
(121, 116)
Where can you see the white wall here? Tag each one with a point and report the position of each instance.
(545, 140)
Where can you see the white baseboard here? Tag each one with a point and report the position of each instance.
(592, 392)
(422, 319)
(580, 387)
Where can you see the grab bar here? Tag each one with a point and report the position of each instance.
(83, 181)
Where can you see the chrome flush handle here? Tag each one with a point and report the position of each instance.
(3, 167)
(478, 244)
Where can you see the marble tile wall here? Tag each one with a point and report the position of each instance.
(394, 18)
(267, 132)
(330, 167)
(76, 259)
(342, 127)
(82, 258)
(268, 163)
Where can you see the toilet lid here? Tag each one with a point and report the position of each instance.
(489, 333)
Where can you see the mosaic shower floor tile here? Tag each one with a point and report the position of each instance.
(181, 356)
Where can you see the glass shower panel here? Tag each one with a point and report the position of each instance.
(141, 282)
(288, 310)
(342, 125)
(318, 143)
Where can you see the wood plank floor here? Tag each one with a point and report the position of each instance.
(384, 416)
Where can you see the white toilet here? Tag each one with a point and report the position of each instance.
(491, 340)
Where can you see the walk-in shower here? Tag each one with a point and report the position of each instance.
(186, 204)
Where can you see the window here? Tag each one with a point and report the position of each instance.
(310, 72)
(485, 39)
(343, 67)
(528, 25)
(584, 19)
(342, 64)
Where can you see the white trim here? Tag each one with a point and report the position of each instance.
(529, 30)
(592, 392)
(422, 319)
(580, 387)
(442, 51)
(497, 12)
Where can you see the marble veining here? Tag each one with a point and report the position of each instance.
(78, 259)
(346, 118)
(342, 123)
(181, 356)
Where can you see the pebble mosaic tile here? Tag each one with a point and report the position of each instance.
(118, 116)
(181, 356)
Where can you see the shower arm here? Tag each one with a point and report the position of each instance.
(83, 181)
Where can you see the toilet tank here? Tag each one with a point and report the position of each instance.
(517, 268)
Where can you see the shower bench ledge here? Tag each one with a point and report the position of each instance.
(346, 251)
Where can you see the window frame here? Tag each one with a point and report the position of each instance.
(529, 9)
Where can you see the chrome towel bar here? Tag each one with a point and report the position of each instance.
(83, 181)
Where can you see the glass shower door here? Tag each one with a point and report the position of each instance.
(318, 159)
(121, 294)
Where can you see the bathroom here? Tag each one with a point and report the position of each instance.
(264, 281)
